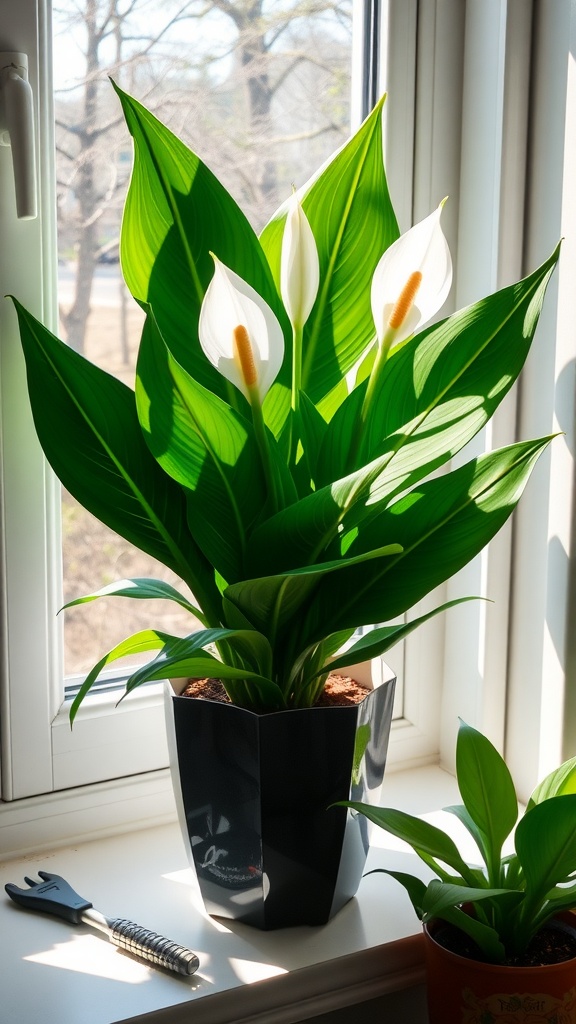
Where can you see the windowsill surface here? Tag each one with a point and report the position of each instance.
(54, 972)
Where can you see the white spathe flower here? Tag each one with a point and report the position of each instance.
(240, 334)
(299, 266)
(412, 280)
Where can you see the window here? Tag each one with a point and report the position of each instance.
(479, 93)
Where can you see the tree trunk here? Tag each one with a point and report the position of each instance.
(76, 319)
(253, 56)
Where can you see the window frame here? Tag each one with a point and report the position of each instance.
(429, 71)
(40, 754)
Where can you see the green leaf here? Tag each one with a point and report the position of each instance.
(439, 388)
(206, 446)
(139, 588)
(559, 899)
(337, 201)
(298, 534)
(559, 782)
(460, 812)
(144, 640)
(485, 937)
(312, 428)
(420, 835)
(441, 896)
(271, 603)
(176, 214)
(440, 527)
(487, 790)
(342, 448)
(545, 841)
(414, 886)
(87, 425)
(380, 639)
(187, 657)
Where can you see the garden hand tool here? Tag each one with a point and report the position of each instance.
(55, 896)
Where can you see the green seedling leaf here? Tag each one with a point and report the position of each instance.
(485, 937)
(441, 896)
(460, 812)
(545, 841)
(558, 783)
(420, 835)
(488, 792)
(414, 886)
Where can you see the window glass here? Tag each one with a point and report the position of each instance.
(261, 91)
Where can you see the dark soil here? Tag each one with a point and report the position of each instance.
(339, 691)
(553, 944)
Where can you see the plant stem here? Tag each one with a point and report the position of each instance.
(297, 334)
(379, 362)
(263, 443)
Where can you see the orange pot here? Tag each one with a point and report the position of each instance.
(463, 991)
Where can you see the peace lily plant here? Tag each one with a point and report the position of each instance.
(502, 902)
(289, 408)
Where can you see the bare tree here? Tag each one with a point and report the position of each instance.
(271, 56)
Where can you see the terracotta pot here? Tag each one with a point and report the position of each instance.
(254, 795)
(464, 991)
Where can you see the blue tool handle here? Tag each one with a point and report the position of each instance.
(152, 947)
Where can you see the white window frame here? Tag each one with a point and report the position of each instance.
(431, 74)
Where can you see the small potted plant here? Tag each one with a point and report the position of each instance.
(500, 940)
(276, 452)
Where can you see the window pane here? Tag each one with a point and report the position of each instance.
(262, 92)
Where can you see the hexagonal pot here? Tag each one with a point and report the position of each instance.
(254, 794)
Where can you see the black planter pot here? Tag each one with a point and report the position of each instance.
(254, 794)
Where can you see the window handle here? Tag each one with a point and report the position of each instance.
(17, 129)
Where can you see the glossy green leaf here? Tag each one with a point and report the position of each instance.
(419, 834)
(176, 213)
(485, 937)
(545, 842)
(138, 643)
(414, 886)
(299, 534)
(380, 639)
(440, 896)
(487, 790)
(349, 190)
(559, 782)
(439, 389)
(271, 603)
(460, 812)
(187, 656)
(440, 527)
(312, 428)
(87, 424)
(206, 447)
(559, 899)
(340, 514)
(139, 588)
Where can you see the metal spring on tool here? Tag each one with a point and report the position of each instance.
(153, 947)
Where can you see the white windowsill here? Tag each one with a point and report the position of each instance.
(59, 974)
